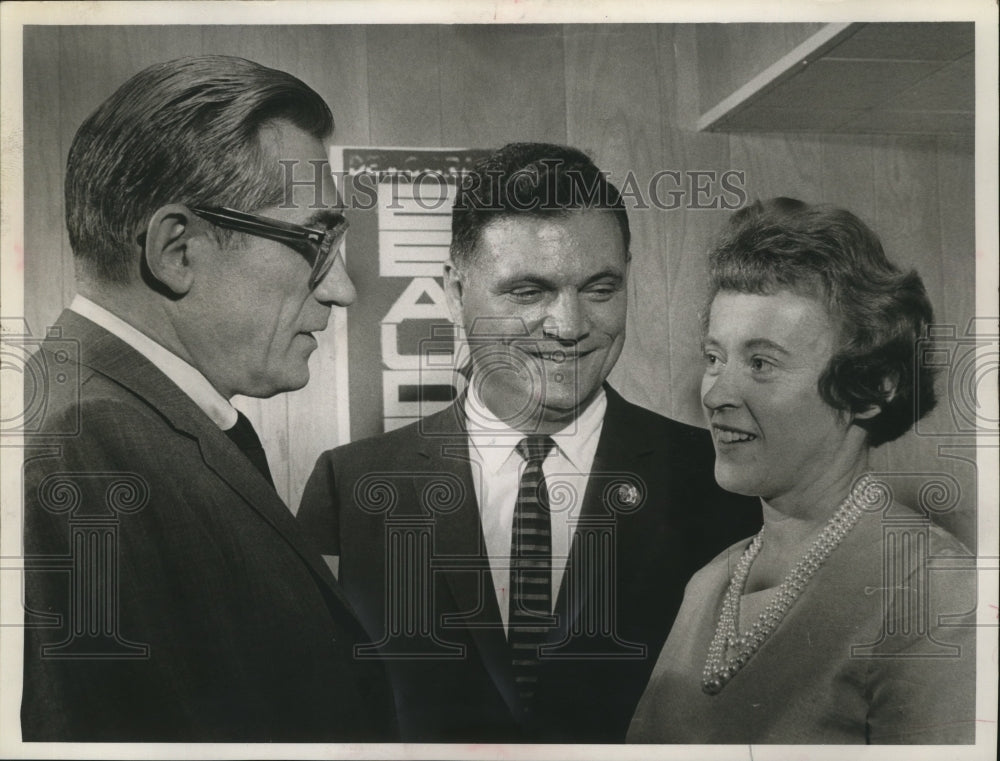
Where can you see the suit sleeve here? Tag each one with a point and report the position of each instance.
(319, 509)
(82, 511)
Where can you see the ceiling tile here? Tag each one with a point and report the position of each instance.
(896, 78)
(951, 88)
(845, 84)
(756, 119)
(909, 41)
(911, 122)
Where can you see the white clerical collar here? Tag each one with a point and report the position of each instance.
(186, 376)
(494, 440)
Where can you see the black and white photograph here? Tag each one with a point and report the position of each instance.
(499, 380)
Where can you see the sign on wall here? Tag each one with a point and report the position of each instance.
(401, 343)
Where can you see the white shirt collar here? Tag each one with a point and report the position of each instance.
(185, 375)
(494, 440)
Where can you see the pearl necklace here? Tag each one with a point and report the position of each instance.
(730, 651)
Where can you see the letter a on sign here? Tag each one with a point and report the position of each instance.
(423, 299)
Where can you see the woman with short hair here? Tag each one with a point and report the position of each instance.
(828, 626)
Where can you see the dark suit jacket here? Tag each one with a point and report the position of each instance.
(170, 594)
(400, 510)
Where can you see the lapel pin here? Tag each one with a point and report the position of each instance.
(628, 495)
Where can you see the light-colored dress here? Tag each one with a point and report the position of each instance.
(878, 648)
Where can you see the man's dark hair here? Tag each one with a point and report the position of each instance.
(184, 131)
(828, 254)
(530, 179)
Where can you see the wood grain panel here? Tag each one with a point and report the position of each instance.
(956, 189)
(333, 61)
(404, 85)
(687, 232)
(257, 43)
(501, 84)
(613, 113)
(848, 176)
(48, 269)
(780, 165)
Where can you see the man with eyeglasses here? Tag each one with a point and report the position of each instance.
(170, 594)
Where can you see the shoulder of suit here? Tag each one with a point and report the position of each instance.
(101, 410)
(382, 446)
(653, 423)
(75, 399)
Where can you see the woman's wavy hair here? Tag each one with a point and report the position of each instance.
(827, 253)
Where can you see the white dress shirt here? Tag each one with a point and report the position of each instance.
(496, 473)
(187, 377)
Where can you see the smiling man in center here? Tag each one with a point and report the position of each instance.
(518, 558)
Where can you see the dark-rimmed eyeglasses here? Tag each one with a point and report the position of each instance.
(319, 247)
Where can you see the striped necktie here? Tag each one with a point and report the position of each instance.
(531, 568)
(245, 437)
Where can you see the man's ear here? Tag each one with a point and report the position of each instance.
(889, 387)
(167, 256)
(453, 291)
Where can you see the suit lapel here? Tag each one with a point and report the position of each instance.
(459, 535)
(615, 484)
(105, 353)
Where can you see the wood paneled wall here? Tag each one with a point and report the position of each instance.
(629, 95)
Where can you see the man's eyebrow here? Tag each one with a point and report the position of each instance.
(608, 274)
(518, 278)
(528, 277)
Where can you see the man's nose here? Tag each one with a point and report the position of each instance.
(567, 318)
(336, 286)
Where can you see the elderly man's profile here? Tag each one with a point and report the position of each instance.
(192, 607)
